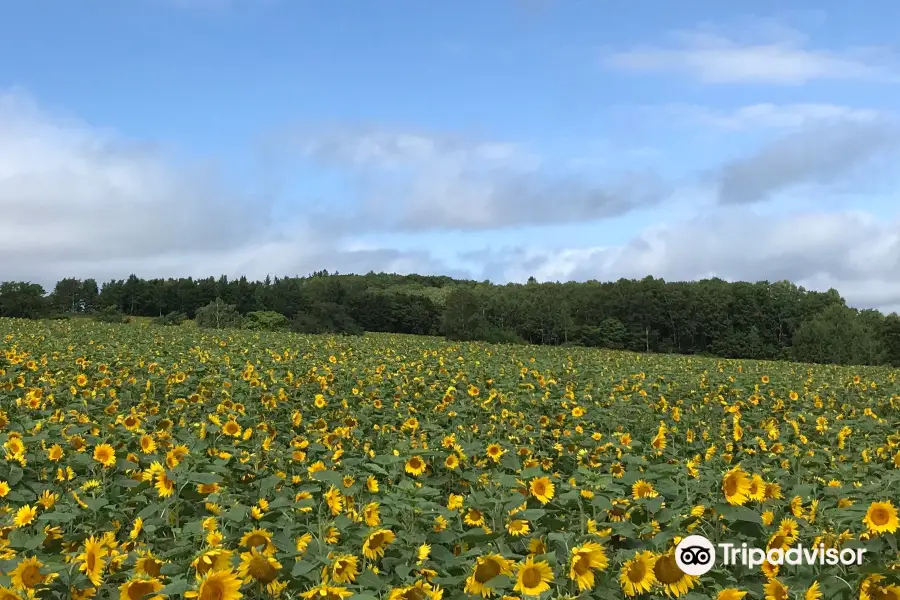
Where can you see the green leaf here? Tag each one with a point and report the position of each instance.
(56, 517)
(510, 462)
(34, 542)
(237, 514)
(301, 568)
(177, 587)
(96, 504)
(741, 513)
(532, 472)
(369, 580)
(15, 475)
(531, 514)
(205, 478)
(268, 483)
(150, 510)
(332, 477)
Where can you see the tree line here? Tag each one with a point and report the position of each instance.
(762, 320)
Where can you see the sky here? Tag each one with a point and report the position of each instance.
(565, 140)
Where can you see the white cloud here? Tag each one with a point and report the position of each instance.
(414, 181)
(812, 157)
(775, 55)
(69, 191)
(79, 201)
(380, 147)
(775, 116)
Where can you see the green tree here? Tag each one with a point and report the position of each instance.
(265, 320)
(838, 335)
(218, 315)
(22, 300)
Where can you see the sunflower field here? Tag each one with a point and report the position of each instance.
(144, 462)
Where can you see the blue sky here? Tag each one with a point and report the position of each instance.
(565, 140)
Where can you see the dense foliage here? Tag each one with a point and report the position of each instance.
(145, 461)
(736, 320)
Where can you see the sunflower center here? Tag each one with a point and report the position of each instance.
(261, 570)
(531, 577)
(151, 567)
(666, 570)
(879, 516)
(139, 589)
(31, 576)
(637, 571)
(413, 593)
(582, 564)
(213, 590)
(731, 486)
(486, 571)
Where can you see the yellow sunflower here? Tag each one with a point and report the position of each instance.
(345, 568)
(8, 594)
(27, 574)
(674, 581)
(323, 591)
(25, 515)
(736, 486)
(584, 561)
(92, 559)
(518, 527)
(258, 566)
(258, 538)
(140, 589)
(105, 455)
(217, 559)
(486, 568)
(495, 452)
(775, 590)
(415, 466)
(643, 489)
(813, 592)
(370, 514)
(217, 585)
(418, 591)
(636, 576)
(542, 489)
(533, 578)
(375, 544)
(148, 565)
(474, 517)
(881, 517)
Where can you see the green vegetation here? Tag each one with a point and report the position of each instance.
(760, 320)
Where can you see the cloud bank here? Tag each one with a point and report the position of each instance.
(82, 201)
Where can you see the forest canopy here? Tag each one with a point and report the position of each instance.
(759, 320)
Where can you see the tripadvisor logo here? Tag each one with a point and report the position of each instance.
(696, 555)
